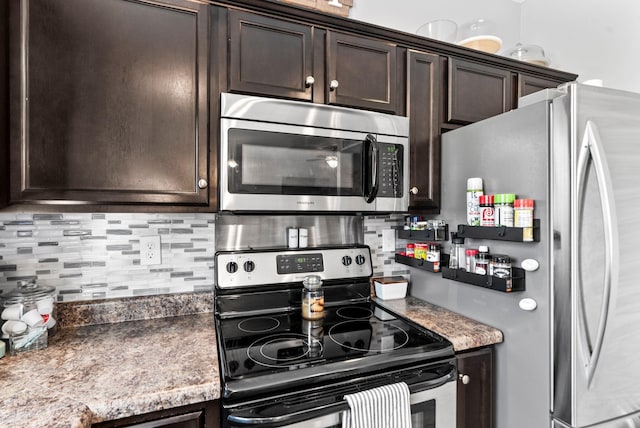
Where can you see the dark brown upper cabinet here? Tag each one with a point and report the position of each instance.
(476, 91)
(423, 105)
(362, 72)
(530, 84)
(4, 104)
(111, 105)
(270, 56)
(276, 57)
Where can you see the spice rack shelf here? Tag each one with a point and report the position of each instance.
(423, 235)
(515, 283)
(499, 233)
(420, 263)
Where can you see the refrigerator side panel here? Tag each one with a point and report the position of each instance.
(510, 152)
(605, 257)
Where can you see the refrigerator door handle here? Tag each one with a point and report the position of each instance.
(591, 148)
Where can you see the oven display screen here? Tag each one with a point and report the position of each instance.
(299, 263)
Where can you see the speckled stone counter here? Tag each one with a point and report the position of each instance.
(118, 358)
(463, 332)
(109, 371)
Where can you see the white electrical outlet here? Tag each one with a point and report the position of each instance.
(150, 250)
(388, 240)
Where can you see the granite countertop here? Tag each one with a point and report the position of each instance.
(463, 332)
(128, 365)
(103, 372)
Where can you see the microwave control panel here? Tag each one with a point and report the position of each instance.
(390, 159)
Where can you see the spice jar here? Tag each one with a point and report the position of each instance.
(433, 255)
(312, 298)
(420, 251)
(523, 217)
(28, 316)
(410, 250)
(501, 266)
(487, 213)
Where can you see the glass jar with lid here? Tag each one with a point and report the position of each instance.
(312, 298)
(28, 314)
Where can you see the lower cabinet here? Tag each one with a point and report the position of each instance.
(475, 389)
(202, 415)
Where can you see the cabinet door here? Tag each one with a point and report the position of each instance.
(475, 389)
(112, 103)
(424, 132)
(4, 104)
(476, 91)
(201, 415)
(530, 84)
(362, 72)
(270, 56)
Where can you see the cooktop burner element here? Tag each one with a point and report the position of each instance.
(388, 337)
(354, 313)
(258, 325)
(280, 350)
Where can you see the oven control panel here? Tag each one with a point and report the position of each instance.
(254, 268)
(299, 263)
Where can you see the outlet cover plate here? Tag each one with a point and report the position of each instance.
(150, 250)
(388, 240)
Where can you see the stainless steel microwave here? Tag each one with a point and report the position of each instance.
(290, 156)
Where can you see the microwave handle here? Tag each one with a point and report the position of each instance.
(371, 169)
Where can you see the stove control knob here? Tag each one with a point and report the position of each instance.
(346, 260)
(232, 267)
(249, 266)
(360, 259)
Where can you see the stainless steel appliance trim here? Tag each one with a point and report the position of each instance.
(242, 232)
(299, 113)
(442, 390)
(591, 148)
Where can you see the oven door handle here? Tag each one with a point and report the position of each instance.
(371, 168)
(290, 417)
(328, 409)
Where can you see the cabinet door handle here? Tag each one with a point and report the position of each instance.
(309, 81)
(202, 183)
(413, 190)
(333, 85)
(465, 379)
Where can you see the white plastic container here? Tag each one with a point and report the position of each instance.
(390, 287)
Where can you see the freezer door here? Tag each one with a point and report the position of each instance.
(596, 180)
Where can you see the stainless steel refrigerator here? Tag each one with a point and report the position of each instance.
(574, 360)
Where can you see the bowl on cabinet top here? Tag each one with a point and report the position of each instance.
(533, 54)
(480, 34)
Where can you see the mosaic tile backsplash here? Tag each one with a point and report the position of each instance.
(97, 256)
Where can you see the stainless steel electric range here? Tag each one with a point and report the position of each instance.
(281, 370)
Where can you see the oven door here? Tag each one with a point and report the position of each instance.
(281, 167)
(433, 403)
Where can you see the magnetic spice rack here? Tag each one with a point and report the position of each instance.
(423, 235)
(422, 264)
(515, 283)
(499, 233)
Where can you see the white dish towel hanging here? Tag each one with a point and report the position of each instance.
(386, 406)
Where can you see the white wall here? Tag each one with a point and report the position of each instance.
(408, 15)
(592, 38)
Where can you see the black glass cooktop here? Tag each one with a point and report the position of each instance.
(351, 338)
